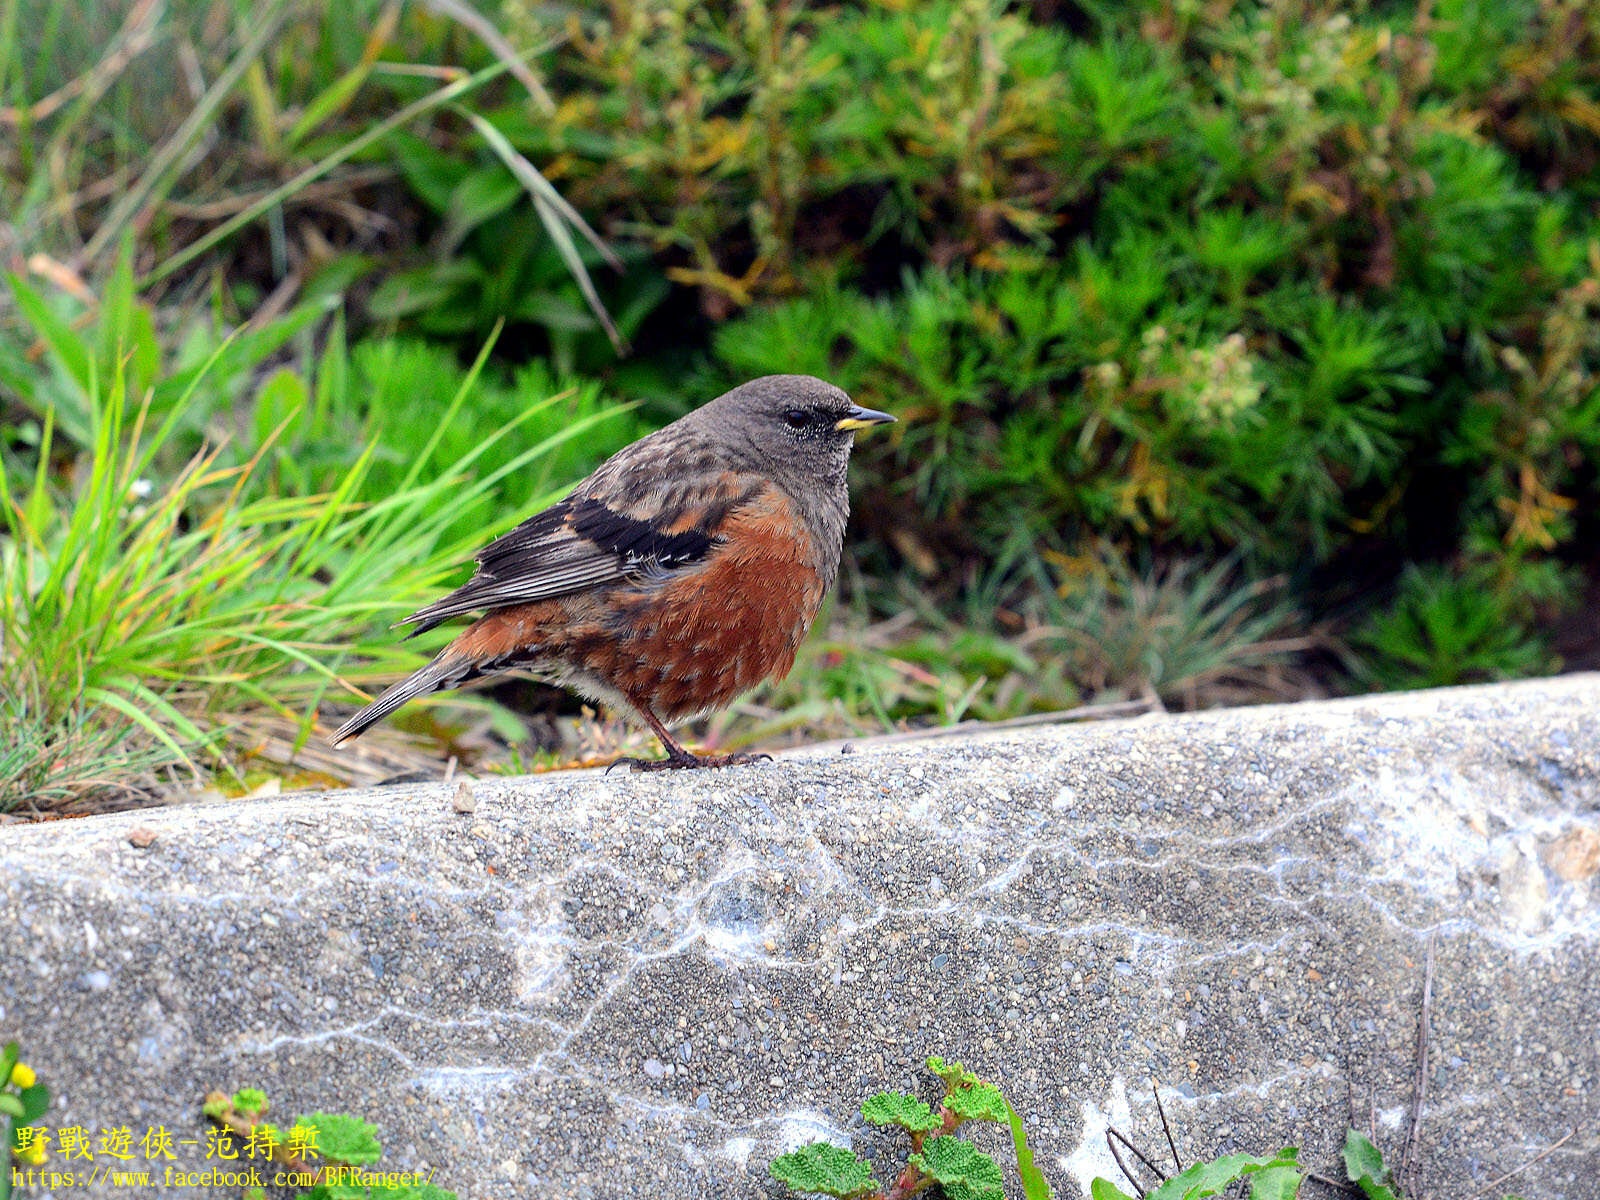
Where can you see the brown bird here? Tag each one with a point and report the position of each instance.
(683, 572)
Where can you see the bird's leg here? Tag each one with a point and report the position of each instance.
(679, 759)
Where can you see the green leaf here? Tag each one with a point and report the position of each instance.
(345, 1139)
(11, 1105)
(978, 1102)
(73, 351)
(282, 397)
(556, 215)
(428, 172)
(952, 1072)
(407, 293)
(826, 1168)
(35, 1100)
(961, 1169)
(329, 102)
(480, 196)
(1363, 1164)
(969, 1097)
(1034, 1184)
(1104, 1189)
(1276, 1183)
(554, 312)
(1211, 1178)
(126, 328)
(897, 1108)
(8, 1058)
(250, 1100)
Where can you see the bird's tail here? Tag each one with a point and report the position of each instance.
(450, 668)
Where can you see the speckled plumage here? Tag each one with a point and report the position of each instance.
(688, 568)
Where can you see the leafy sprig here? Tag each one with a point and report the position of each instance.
(327, 1146)
(937, 1156)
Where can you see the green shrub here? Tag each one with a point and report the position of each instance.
(1307, 282)
(1444, 628)
(734, 135)
(1126, 396)
(1023, 403)
(331, 1156)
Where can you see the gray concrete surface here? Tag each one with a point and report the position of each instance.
(649, 985)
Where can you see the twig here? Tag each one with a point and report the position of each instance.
(327, 189)
(1419, 1086)
(1349, 1091)
(138, 34)
(1127, 1174)
(1336, 1185)
(1139, 1154)
(1539, 1157)
(1177, 1163)
(277, 301)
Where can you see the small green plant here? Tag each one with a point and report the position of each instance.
(1444, 628)
(329, 1156)
(1363, 1163)
(1368, 1173)
(23, 1100)
(48, 760)
(937, 1156)
(487, 263)
(311, 421)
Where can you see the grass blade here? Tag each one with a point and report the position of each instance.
(317, 170)
(165, 161)
(464, 14)
(555, 214)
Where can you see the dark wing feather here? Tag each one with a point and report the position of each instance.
(576, 544)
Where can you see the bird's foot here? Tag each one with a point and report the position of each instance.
(688, 762)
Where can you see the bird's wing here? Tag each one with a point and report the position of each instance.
(607, 531)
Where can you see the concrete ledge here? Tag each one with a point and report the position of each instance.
(648, 985)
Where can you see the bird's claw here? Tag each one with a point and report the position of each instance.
(688, 762)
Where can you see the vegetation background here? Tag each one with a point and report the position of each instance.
(1242, 350)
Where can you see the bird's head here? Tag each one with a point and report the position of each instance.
(798, 424)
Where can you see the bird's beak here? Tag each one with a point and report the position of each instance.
(862, 418)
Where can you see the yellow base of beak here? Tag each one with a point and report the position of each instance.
(863, 418)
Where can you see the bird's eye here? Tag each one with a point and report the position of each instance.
(796, 418)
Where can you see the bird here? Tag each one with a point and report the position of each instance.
(685, 570)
